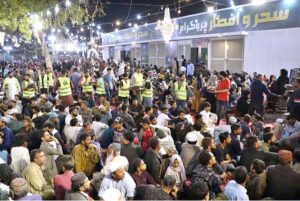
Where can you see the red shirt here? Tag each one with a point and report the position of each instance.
(62, 183)
(145, 140)
(223, 84)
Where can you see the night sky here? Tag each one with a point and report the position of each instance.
(117, 11)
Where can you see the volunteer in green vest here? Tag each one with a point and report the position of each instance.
(86, 83)
(181, 91)
(124, 89)
(43, 82)
(11, 86)
(28, 93)
(147, 93)
(50, 79)
(63, 85)
(138, 83)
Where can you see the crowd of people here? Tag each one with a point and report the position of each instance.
(90, 130)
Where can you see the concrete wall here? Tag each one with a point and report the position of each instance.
(269, 51)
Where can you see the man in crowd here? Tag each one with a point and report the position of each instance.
(79, 189)
(11, 86)
(258, 89)
(120, 179)
(50, 152)
(153, 159)
(62, 182)
(282, 179)
(34, 176)
(235, 189)
(86, 155)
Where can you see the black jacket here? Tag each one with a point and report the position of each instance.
(283, 183)
(154, 165)
(249, 154)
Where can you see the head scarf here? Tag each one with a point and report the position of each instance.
(179, 169)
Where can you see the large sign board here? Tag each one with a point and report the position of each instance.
(271, 15)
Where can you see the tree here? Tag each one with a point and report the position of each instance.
(20, 16)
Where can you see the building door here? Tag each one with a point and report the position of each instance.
(227, 55)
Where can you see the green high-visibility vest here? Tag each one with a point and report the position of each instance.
(147, 93)
(86, 86)
(181, 92)
(50, 79)
(6, 82)
(100, 88)
(124, 89)
(64, 86)
(29, 92)
(138, 79)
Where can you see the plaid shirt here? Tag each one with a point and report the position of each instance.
(207, 175)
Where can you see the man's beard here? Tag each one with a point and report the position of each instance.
(109, 158)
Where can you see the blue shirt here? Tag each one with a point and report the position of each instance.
(126, 186)
(258, 89)
(190, 69)
(291, 129)
(8, 138)
(235, 191)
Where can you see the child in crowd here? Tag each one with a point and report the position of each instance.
(177, 170)
(210, 119)
(140, 175)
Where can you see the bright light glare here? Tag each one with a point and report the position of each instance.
(135, 25)
(68, 3)
(35, 16)
(37, 25)
(210, 9)
(52, 38)
(118, 23)
(129, 24)
(138, 17)
(232, 3)
(48, 13)
(7, 48)
(56, 9)
(290, 1)
(70, 47)
(258, 2)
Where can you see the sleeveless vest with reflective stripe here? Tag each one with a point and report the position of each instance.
(181, 93)
(126, 85)
(86, 86)
(45, 79)
(6, 82)
(138, 80)
(65, 88)
(101, 88)
(50, 79)
(147, 93)
(30, 92)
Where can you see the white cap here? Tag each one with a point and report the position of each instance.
(232, 120)
(191, 137)
(117, 163)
